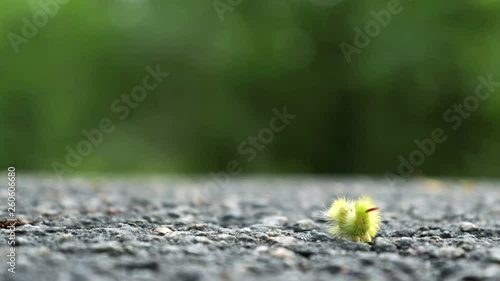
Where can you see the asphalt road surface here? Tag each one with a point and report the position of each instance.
(161, 228)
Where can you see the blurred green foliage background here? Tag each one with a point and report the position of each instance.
(226, 76)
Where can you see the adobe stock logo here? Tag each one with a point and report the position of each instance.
(223, 6)
(372, 29)
(454, 116)
(122, 107)
(30, 28)
(249, 148)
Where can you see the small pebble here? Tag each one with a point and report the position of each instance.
(450, 252)
(106, 247)
(283, 240)
(495, 255)
(200, 227)
(274, 221)
(162, 230)
(383, 245)
(405, 242)
(304, 224)
(468, 226)
(283, 253)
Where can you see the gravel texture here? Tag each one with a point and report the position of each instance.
(160, 228)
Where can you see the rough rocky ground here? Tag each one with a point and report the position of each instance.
(252, 229)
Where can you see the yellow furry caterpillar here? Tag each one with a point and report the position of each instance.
(355, 220)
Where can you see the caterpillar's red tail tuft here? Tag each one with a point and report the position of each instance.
(372, 209)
